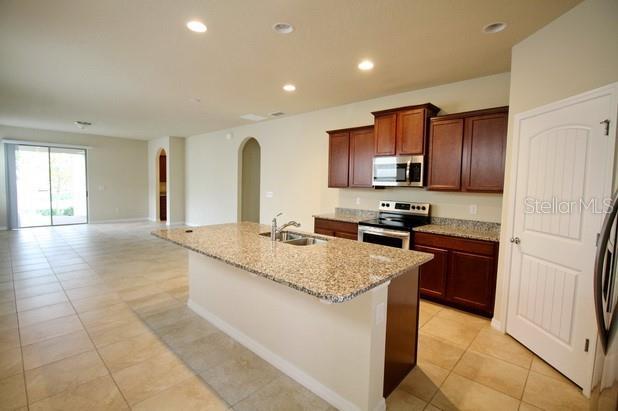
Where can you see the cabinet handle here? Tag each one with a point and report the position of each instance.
(515, 240)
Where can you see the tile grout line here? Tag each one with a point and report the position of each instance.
(21, 348)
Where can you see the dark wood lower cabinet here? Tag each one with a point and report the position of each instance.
(471, 281)
(462, 273)
(333, 228)
(433, 274)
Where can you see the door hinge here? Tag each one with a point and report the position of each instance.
(606, 123)
(587, 345)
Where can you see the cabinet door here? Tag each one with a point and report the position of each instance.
(433, 273)
(471, 281)
(361, 157)
(385, 129)
(338, 159)
(445, 151)
(411, 132)
(483, 153)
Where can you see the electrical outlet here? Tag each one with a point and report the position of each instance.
(269, 194)
(357, 200)
(472, 209)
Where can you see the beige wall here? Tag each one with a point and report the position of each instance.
(117, 173)
(575, 53)
(250, 186)
(294, 157)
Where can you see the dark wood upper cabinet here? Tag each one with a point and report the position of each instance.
(338, 158)
(385, 127)
(445, 151)
(403, 130)
(361, 157)
(484, 151)
(467, 151)
(350, 157)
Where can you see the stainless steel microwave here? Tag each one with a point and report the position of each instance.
(398, 171)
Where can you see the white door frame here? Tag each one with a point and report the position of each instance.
(499, 322)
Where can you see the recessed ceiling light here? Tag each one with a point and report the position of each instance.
(283, 28)
(289, 87)
(196, 26)
(365, 65)
(82, 124)
(494, 27)
(252, 117)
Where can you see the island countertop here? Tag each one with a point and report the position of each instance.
(336, 271)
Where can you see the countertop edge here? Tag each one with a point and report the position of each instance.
(321, 297)
(453, 232)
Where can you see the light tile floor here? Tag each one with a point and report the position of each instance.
(94, 317)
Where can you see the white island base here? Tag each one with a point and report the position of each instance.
(334, 350)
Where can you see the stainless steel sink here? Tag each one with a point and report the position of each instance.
(295, 239)
(305, 241)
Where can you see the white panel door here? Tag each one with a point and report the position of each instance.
(563, 176)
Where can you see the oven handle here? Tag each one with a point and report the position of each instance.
(384, 233)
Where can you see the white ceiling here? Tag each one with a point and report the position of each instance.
(132, 68)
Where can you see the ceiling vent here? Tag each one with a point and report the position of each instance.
(82, 124)
(277, 114)
(252, 117)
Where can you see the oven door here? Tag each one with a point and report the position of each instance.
(383, 236)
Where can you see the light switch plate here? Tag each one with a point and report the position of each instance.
(269, 194)
(473, 209)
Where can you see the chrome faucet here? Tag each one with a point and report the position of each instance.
(274, 231)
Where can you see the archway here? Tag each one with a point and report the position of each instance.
(161, 185)
(249, 179)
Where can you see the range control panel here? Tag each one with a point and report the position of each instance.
(404, 207)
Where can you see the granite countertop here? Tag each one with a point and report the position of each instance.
(346, 218)
(336, 271)
(475, 230)
(348, 215)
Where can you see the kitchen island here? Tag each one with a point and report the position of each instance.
(339, 316)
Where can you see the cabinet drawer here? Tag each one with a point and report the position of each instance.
(487, 248)
(322, 226)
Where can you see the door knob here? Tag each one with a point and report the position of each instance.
(515, 240)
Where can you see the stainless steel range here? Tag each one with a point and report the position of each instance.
(394, 225)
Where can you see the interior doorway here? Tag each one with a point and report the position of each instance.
(47, 186)
(250, 181)
(162, 185)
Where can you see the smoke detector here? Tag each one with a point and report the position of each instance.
(82, 124)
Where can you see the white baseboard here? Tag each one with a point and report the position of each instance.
(176, 223)
(381, 406)
(120, 220)
(192, 224)
(497, 325)
(281, 363)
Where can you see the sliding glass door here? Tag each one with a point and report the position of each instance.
(50, 186)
